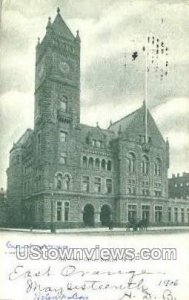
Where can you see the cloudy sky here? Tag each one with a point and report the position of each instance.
(110, 31)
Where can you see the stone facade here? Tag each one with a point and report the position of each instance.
(179, 186)
(73, 175)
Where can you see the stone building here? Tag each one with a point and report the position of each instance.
(72, 175)
(179, 186)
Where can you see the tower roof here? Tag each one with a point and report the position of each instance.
(60, 27)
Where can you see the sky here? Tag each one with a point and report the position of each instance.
(110, 31)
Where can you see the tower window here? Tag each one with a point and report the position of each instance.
(63, 136)
(67, 182)
(63, 106)
(63, 158)
(59, 181)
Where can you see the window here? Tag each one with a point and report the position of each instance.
(97, 164)
(132, 187)
(67, 181)
(109, 186)
(85, 162)
(63, 136)
(63, 158)
(145, 212)
(188, 215)
(176, 214)
(59, 211)
(182, 215)
(63, 106)
(91, 163)
(132, 212)
(66, 211)
(157, 193)
(131, 162)
(85, 184)
(157, 167)
(59, 180)
(145, 192)
(141, 139)
(169, 214)
(145, 165)
(158, 214)
(97, 184)
(109, 165)
(103, 164)
(98, 144)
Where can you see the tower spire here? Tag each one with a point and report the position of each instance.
(58, 10)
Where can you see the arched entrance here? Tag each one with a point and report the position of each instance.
(88, 215)
(105, 215)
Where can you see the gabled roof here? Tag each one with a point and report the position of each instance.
(123, 123)
(133, 125)
(59, 27)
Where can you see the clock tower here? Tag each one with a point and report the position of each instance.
(57, 78)
(57, 99)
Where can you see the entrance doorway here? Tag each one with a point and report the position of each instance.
(105, 215)
(88, 215)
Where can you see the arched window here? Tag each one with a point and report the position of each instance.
(97, 164)
(109, 165)
(67, 182)
(103, 164)
(157, 167)
(84, 161)
(59, 181)
(63, 106)
(145, 165)
(91, 163)
(131, 163)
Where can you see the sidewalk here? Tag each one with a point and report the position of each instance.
(105, 230)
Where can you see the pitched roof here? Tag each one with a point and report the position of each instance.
(60, 28)
(123, 123)
(133, 125)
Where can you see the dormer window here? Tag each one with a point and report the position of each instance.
(96, 143)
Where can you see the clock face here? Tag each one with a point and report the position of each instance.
(64, 67)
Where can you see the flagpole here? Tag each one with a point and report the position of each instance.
(146, 94)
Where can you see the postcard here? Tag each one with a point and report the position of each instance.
(94, 169)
